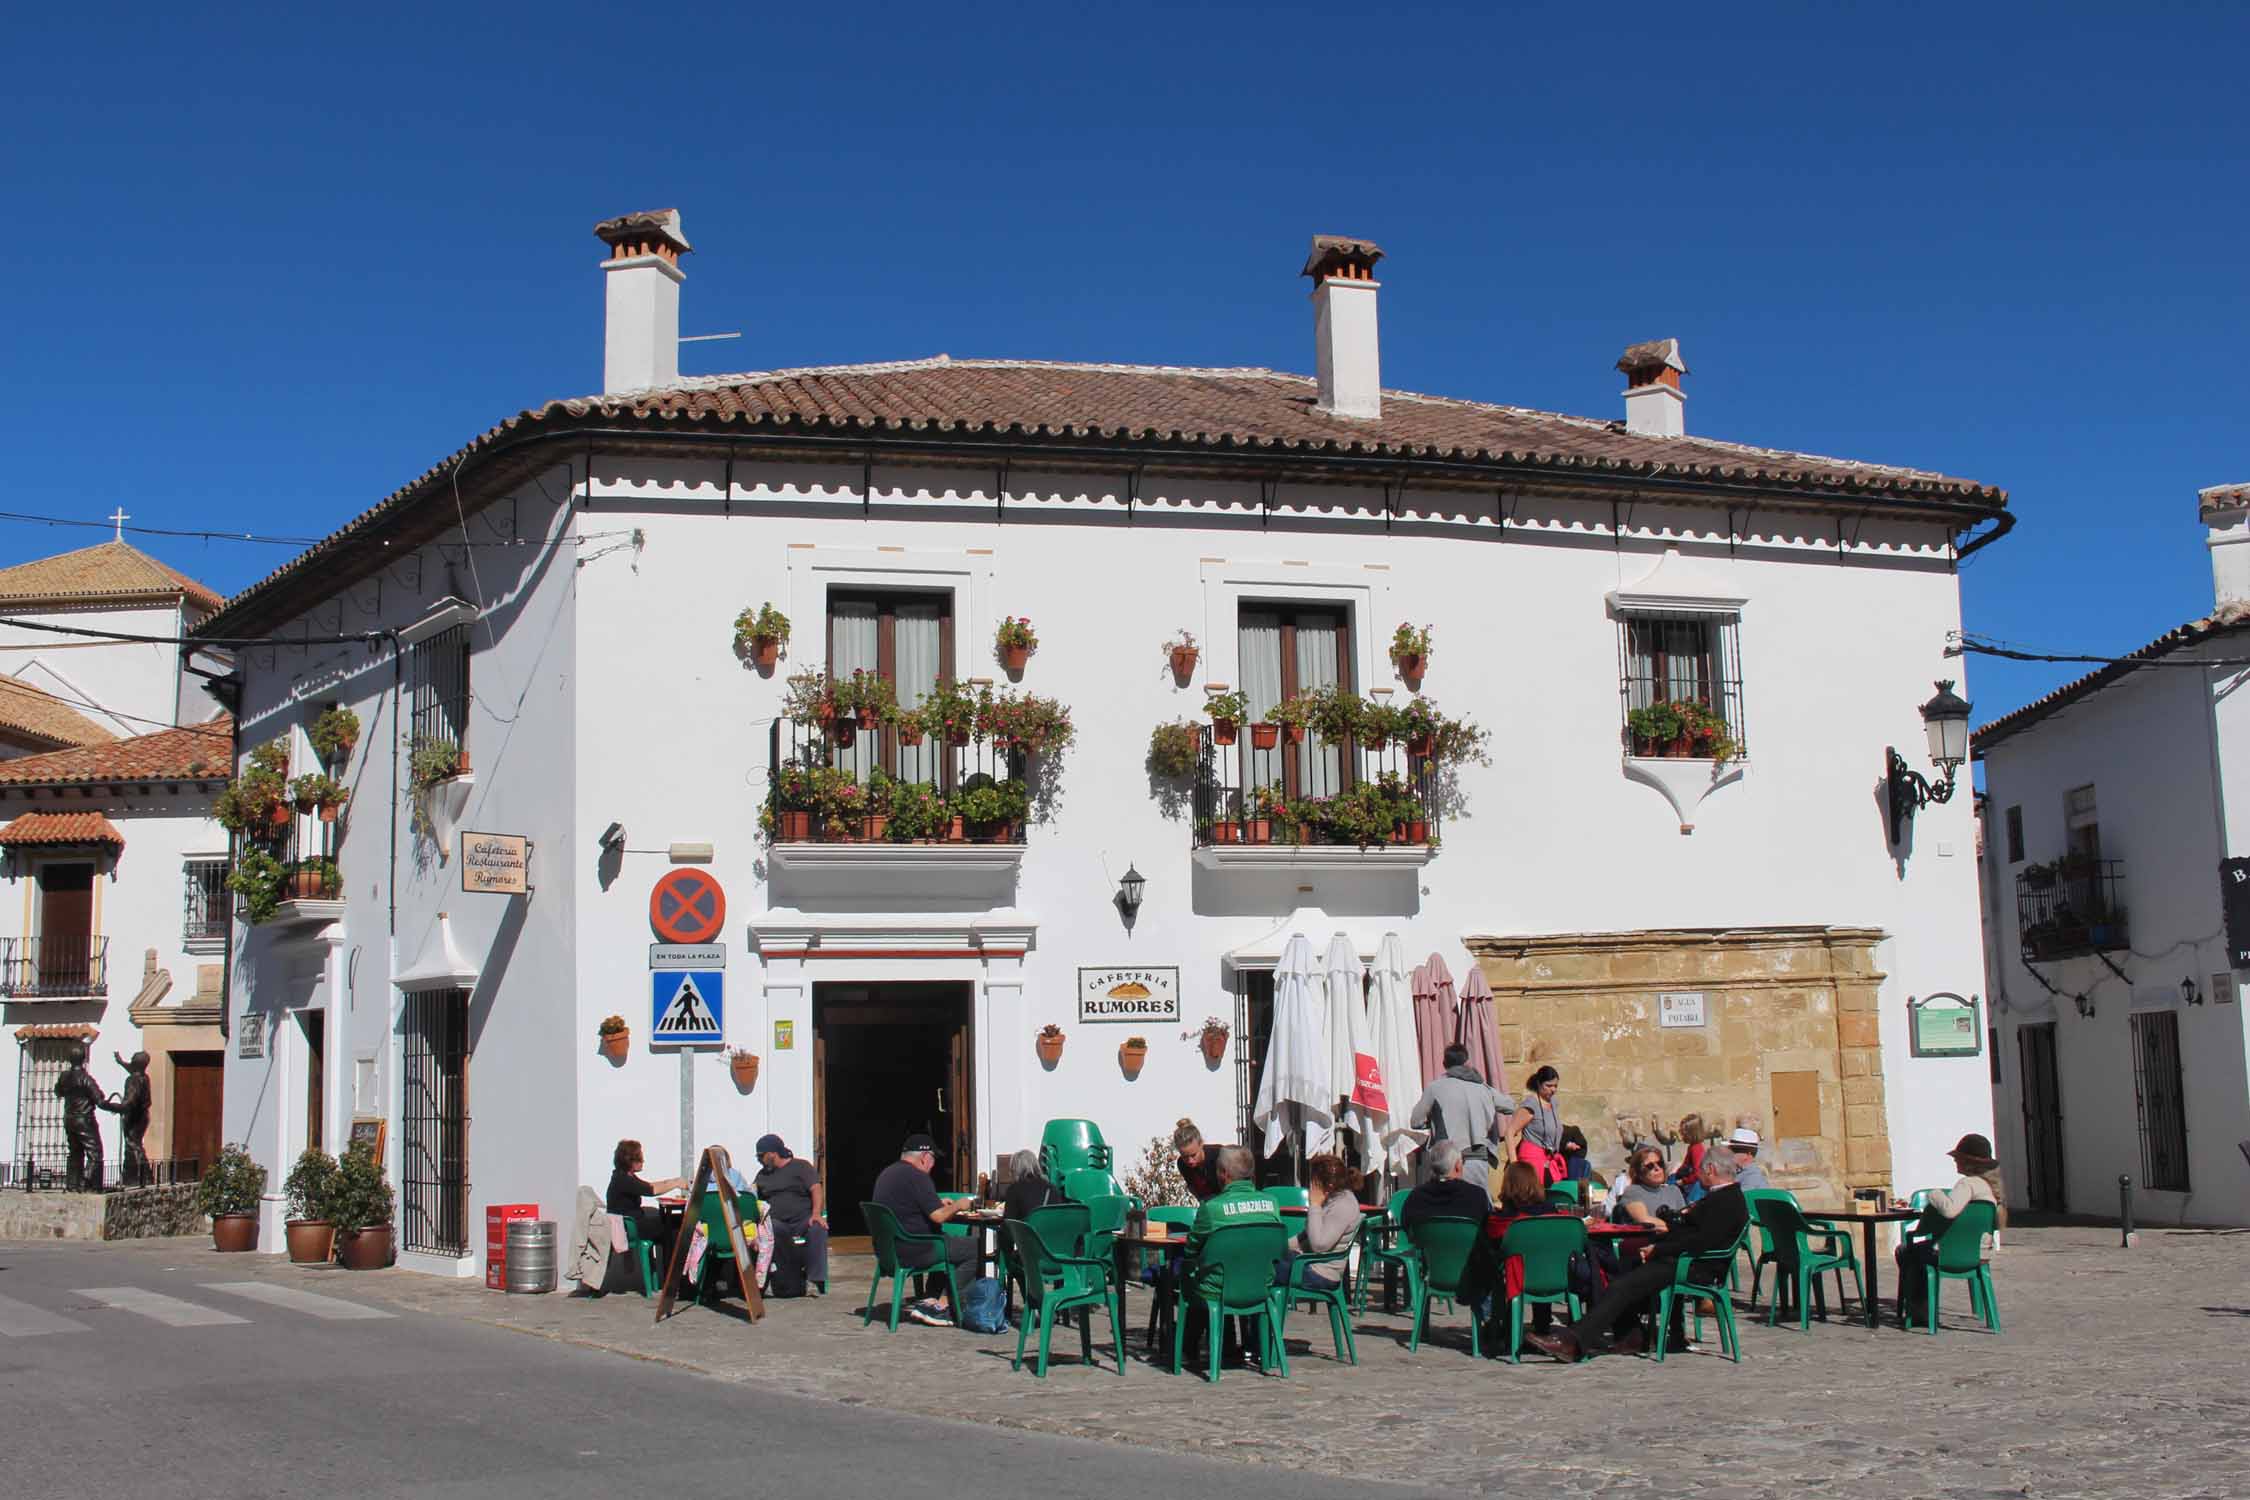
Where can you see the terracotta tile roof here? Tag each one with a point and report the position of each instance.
(75, 1030)
(62, 828)
(2227, 621)
(111, 570)
(1105, 415)
(30, 713)
(2221, 497)
(199, 751)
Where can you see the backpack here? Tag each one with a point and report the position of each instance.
(785, 1275)
(984, 1307)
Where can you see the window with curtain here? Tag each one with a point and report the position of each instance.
(1682, 658)
(1286, 650)
(906, 638)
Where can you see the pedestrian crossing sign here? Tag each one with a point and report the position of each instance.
(688, 1007)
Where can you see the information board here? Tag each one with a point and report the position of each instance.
(1944, 1025)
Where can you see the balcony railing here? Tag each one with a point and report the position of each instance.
(867, 786)
(2070, 908)
(54, 968)
(1347, 795)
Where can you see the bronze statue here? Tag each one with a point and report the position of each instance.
(131, 1108)
(81, 1096)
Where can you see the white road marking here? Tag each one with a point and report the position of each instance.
(20, 1320)
(170, 1311)
(296, 1300)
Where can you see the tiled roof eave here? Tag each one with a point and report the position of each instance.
(2008, 726)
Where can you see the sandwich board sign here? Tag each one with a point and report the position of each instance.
(687, 1007)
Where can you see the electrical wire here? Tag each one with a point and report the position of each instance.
(197, 535)
(1974, 648)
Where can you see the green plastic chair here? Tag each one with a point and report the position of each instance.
(1055, 1285)
(1546, 1244)
(1767, 1252)
(1916, 1232)
(1718, 1265)
(1067, 1145)
(1793, 1239)
(1444, 1249)
(1289, 1196)
(1106, 1220)
(1337, 1299)
(882, 1227)
(1381, 1245)
(1960, 1257)
(1569, 1190)
(717, 1245)
(642, 1252)
(1063, 1225)
(1232, 1277)
(1085, 1184)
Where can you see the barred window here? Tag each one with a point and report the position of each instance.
(439, 669)
(1682, 658)
(206, 900)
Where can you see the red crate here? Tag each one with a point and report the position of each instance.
(497, 1218)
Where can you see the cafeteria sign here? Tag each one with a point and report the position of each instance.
(1128, 996)
(496, 863)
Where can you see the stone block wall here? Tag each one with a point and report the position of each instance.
(50, 1216)
(153, 1213)
(1789, 1012)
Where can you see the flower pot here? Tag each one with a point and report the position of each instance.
(744, 1067)
(908, 736)
(307, 885)
(1296, 733)
(1215, 1046)
(1421, 745)
(616, 1044)
(1414, 831)
(312, 1242)
(1225, 831)
(328, 811)
(1222, 731)
(1132, 1059)
(1183, 662)
(1050, 1049)
(280, 815)
(1372, 743)
(1304, 833)
(865, 717)
(1410, 667)
(1257, 831)
(763, 651)
(878, 827)
(843, 732)
(305, 806)
(233, 1232)
(366, 1249)
(1264, 736)
(1014, 657)
(957, 738)
(793, 827)
(954, 833)
(844, 832)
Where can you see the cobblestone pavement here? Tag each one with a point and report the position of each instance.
(2120, 1373)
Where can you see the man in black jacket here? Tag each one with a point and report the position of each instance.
(1715, 1222)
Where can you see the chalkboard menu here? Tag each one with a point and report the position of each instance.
(2234, 899)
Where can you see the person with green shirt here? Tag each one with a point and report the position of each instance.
(1239, 1200)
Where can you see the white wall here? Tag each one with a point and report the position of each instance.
(132, 687)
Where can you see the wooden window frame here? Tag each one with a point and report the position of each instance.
(886, 602)
(1293, 615)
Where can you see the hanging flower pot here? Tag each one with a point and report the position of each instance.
(1050, 1044)
(765, 650)
(280, 815)
(1223, 731)
(1015, 658)
(743, 1066)
(844, 732)
(909, 735)
(1296, 734)
(328, 811)
(1264, 736)
(616, 1039)
(864, 716)
(1214, 1043)
(1184, 659)
(1420, 745)
(1410, 667)
(1132, 1056)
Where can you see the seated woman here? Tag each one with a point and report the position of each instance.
(627, 1189)
(1028, 1190)
(1332, 1190)
(1980, 1182)
(1577, 1165)
(1522, 1196)
(1648, 1193)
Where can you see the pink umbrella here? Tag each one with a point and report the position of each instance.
(1480, 1027)
(1435, 1015)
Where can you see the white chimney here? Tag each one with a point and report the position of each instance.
(641, 338)
(1344, 288)
(1655, 406)
(2225, 509)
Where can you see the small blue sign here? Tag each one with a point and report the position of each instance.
(688, 1007)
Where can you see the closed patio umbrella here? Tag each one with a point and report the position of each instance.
(1390, 1021)
(1355, 1075)
(1293, 1091)
(1437, 1018)
(1480, 1027)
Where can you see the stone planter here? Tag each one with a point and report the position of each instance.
(235, 1232)
(312, 1242)
(364, 1249)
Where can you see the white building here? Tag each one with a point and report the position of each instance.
(113, 934)
(571, 626)
(2118, 811)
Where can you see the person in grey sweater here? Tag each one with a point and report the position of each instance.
(1459, 1106)
(1332, 1189)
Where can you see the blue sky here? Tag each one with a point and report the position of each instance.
(265, 267)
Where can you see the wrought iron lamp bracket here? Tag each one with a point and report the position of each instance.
(1911, 791)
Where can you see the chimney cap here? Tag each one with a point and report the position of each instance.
(659, 224)
(1333, 253)
(2222, 497)
(1645, 362)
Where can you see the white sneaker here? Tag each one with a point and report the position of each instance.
(932, 1313)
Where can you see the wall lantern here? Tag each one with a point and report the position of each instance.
(2085, 1004)
(1129, 892)
(1945, 718)
(2189, 994)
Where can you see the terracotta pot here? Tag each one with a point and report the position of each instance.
(461, 762)
(1421, 745)
(1215, 1045)
(1257, 831)
(280, 815)
(312, 1242)
(844, 732)
(328, 811)
(1296, 734)
(305, 885)
(1226, 831)
(1223, 731)
(617, 1045)
(1410, 667)
(305, 806)
(954, 833)
(1014, 657)
(845, 832)
(233, 1232)
(908, 736)
(1183, 662)
(1304, 833)
(744, 1067)
(1681, 748)
(763, 651)
(793, 827)
(878, 827)
(364, 1249)
(1264, 736)
(1415, 831)
(957, 738)
(1132, 1059)
(865, 716)
(1050, 1049)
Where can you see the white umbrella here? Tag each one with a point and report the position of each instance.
(1293, 1091)
(1398, 1054)
(1353, 1074)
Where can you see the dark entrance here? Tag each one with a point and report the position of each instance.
(2042, 1120)
(315, 1024)
(889, 1060)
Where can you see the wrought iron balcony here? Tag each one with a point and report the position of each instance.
(1348, 796)
(844, 785)
(2070, 908)
(54, 968)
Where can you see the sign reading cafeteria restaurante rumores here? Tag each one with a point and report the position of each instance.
(1128, 995)
(499, 863)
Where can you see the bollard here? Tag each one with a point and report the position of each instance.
(2124, 1212)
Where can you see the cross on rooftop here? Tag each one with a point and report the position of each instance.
(121, 518)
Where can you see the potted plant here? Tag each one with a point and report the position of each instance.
(310, 1185)
(1264, 735)
(616, 1038)
(230, 1192)
(1015, 641)
(1226, 712)
(760, 633)
(315, 880)
(1333, 713)
(2039, 877)
(1034, 725)
(433, 759)
(361, 1207)
(246, 804)
(1174, 750)
(840, 803)
(1410, 820)
(334, 734)
(258, 879)
(1293, 715)
(1182, 652)
(918, 813)
(1410, 651)
(949, 712)
(1214, 1041)
(317, 792)
(272, 756)
(877, 801)
(1132, 1055)
(743, 1065)
(1455, 742)
(1050, 1044)
(1379, 724)
(988, 809)
(908, 723)
(808, 698)
(795, 798)
(1267, 807)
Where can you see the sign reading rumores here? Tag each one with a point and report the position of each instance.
(1128, 995)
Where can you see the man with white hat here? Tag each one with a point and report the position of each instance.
(1743, 1145)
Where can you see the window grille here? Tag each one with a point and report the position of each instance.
(40, 1147)
(2161, 1099)
(439, 668)
(1679, 658)
(434, 1110)
(206, 897)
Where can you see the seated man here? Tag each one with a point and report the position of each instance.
(1715, 1223)
(904, 1188)
(795, 1204)
(1239, 1200)
(1647, 1193)
(1743, 1147)
(1448, 1194)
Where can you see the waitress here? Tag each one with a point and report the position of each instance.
(1535, 1134)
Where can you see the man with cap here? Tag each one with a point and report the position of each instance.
(1744, 1144)
(905, 1189)
(795, 1203)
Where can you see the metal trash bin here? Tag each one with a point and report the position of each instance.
(531, 1255)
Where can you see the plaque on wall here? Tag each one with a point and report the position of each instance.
(250, 1034)
(1128, 995)
(2234, 901)
(1679, 1008)
(1944, 1025)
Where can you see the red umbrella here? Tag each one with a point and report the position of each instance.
(1435, 1015)
(1480, 1027)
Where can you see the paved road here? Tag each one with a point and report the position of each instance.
(125, 1375)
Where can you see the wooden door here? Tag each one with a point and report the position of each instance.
(316, 1076)
(820, 1119)
(196, 1098)
(66, 928)
(2042, 1119)
(959, 1110)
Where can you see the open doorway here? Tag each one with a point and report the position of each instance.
(889, 1061)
